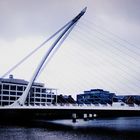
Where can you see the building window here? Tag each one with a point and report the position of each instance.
(5, 103)
(20, 88)
(32, 90)
(32, 95)
(43, 90)
(37, 89)
(13, 93)
(12, 98)
(13, 87)
(11, 102)
(6, 87)
(43, 95)
(6, 92)
(31, 99)
(37, 95)
(48, 100)
(43, 100)
(19, 93)
(37, 99)
(49, 96)
(5, 97)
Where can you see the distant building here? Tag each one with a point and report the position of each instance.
(11, 89)
(95, 96)
(129, 99)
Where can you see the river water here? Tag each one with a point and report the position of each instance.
(122, 128)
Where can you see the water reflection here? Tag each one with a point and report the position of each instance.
(97, 129)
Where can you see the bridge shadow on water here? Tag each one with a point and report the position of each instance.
(123, 128)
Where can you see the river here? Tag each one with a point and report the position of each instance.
(121, 128)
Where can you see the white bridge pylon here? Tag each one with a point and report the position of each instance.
(68, 28)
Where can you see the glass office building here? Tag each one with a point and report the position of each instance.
(95, 96)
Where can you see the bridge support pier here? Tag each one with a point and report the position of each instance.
(74, 117)
(90, 116)
(85, 117)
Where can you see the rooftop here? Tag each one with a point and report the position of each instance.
(13, 80)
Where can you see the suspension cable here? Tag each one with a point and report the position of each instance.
(32, 52)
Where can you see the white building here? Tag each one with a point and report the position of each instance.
(11, 89)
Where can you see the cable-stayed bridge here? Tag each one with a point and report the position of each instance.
(115, 109)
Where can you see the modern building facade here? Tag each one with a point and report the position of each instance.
(11, 89)
(95, 96)
(128, 99)
(99, 96)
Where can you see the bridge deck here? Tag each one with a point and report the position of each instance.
(77, 107)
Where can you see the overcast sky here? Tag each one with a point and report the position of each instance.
(103, 50)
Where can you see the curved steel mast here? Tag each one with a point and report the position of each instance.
(63, 35)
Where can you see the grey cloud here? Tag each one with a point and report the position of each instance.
(41, 17)
(34, 17)
(126, 9)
